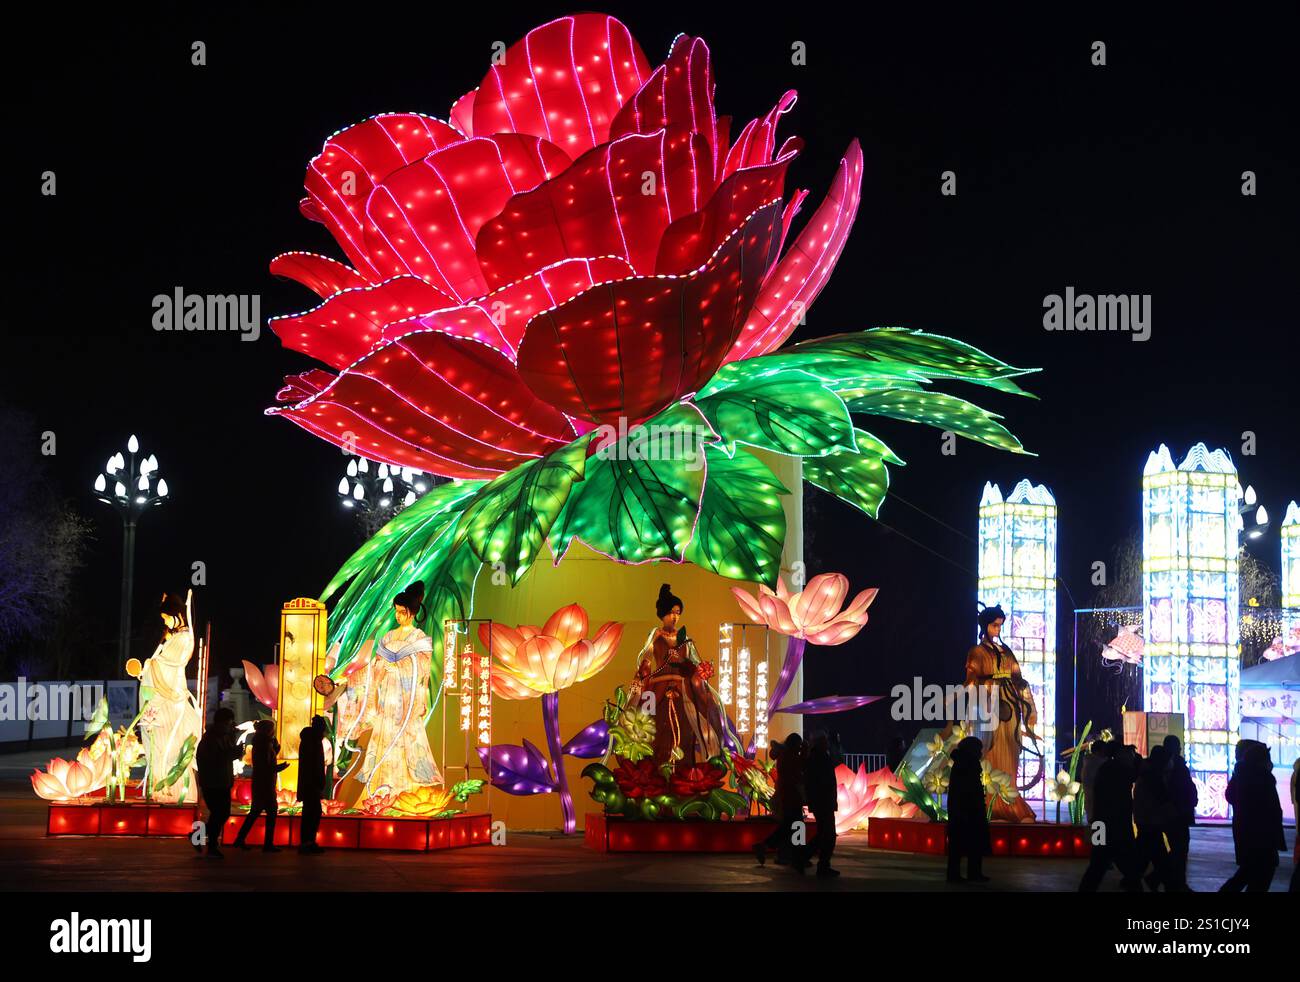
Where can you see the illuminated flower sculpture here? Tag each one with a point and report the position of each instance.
(813, 614)
(66, 781)
(584, 243)
(864, 796)
(529, 662)
(264, 683)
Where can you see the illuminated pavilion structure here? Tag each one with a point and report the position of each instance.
(1191, 608)
(1017, 570)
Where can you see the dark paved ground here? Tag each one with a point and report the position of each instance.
(529, 861)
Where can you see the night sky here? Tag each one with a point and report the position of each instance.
(1117, 179)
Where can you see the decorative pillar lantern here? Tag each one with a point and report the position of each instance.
(1017, 571)
(302, 658)
(726, 671)
(1291, 578)
(1191, 609)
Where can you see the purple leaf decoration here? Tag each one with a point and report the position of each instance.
(829, 704)
(518, 770)
(591, 741)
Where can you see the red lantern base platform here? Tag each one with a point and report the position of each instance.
(605, 833)
(336, 831)
(1042, 839)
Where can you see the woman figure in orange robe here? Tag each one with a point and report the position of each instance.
(991, 663)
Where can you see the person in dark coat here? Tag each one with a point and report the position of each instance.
(895, 753)
(311, 782)
(1183, 799)
(1113, 820)
(835, 747)
(787, 804)
(823, 802)
(1295, 810)
(214, 758)
(968, 822)
(1152, 811)
(265, 750)
(1256, 819)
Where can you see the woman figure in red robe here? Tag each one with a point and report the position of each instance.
(688, 721)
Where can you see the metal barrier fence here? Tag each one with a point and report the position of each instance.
(874, 762)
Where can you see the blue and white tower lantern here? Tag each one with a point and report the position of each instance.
(1017, 570)
(1191, 609)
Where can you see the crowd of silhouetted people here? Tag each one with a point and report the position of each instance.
(1141, 811)
(215, 759)
(805, 777)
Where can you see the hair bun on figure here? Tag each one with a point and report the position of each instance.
(667, 601)
(412, 598)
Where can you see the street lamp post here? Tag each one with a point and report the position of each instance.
(377, 492)
(130, 484)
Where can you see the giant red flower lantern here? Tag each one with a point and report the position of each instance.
(581, 245)
(582, 240)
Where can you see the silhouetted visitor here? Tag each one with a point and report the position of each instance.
(968, 822)
(311, 782)
(214, 758)
(1183, 799)
(1096, 756)
(1153, 812)
(823, 802)
(265, 750)
(1113, 820)
(1295, 810)
(787, 803)
(895, 753)
(1256, 819)
(835, 747)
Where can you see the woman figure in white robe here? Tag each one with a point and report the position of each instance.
(389, 696)
(169, 712)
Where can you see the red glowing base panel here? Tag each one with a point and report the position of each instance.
(1042, 839)
(336, 831)
(606, 834)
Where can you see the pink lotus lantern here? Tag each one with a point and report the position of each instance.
(264, 683)
(812, 615)
(66, 781)
(864, 796)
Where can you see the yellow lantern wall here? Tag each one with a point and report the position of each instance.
(302, 658)
(608, 590)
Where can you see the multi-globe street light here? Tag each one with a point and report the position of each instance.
(130, 484)
(377, 491)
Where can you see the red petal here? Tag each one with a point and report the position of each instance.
(351, 322)
(803, 271)
(423, 218)
(320, 274)
(500, 317)
(563, 82)
(304, 386)
(758, 139)
(597, 207)
(462, 113)
(632, 347)
(792, 208)
(721, 145)
(688, 241)
(356, 160)
(442, 404)
(679, 93)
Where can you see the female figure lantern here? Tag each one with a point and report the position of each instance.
(169, 712)
(991, 663)
(388, 695)
(673, 681)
